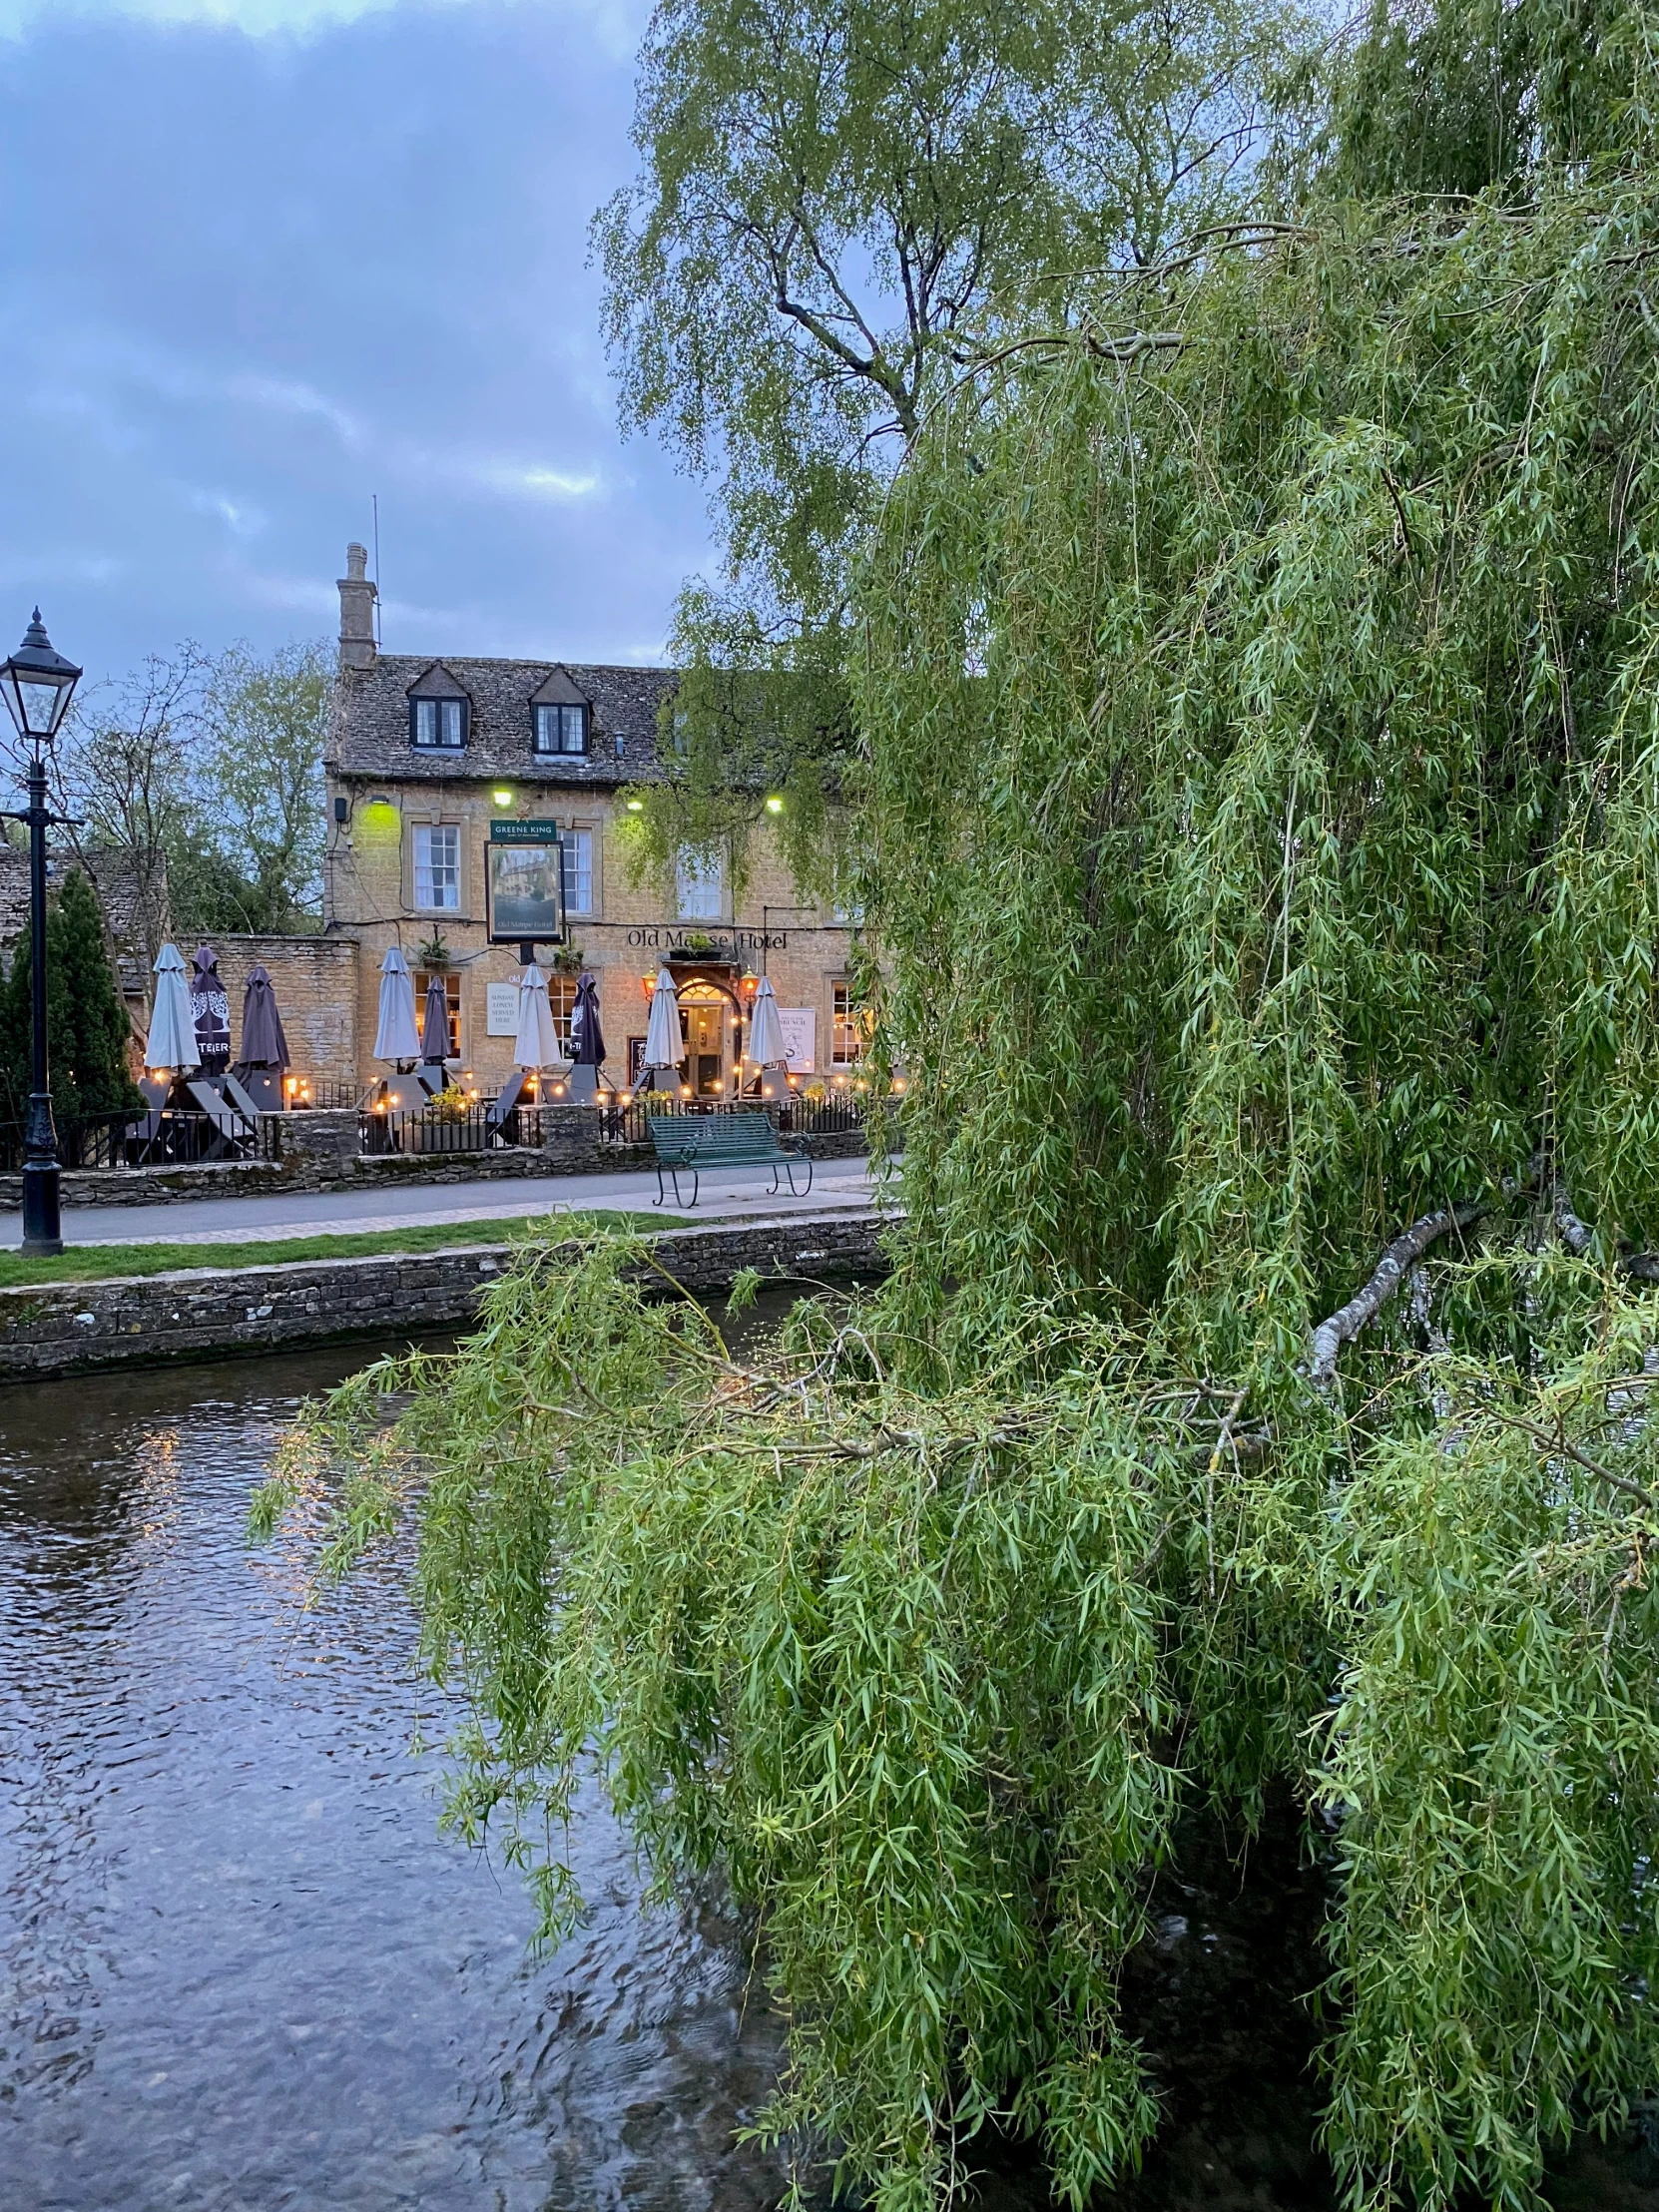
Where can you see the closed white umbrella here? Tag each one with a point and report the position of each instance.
(767, 1047)
(397, 1038)
(665, 1048)
(537, 1042)
(172, 1039)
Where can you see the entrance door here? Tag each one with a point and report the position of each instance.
(705, 1037)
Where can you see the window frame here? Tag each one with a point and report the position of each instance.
(439, 700)
(567, 839)
(558, 708)
(452, 1007)
(717, 912)
(430, 830)
(846, 1021)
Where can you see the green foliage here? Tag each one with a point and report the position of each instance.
(1256, 681)
(88, 1035)
(253, 858)
(841, 204)
(732, 737)
(205, 778)
(1456, 99)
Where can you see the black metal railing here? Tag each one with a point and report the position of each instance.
(158, 1137)
(309, 1092)
(441, 1132)
(821, 1117)
(435, 1133)
(795, 1116)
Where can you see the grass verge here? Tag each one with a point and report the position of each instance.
(94, 1263)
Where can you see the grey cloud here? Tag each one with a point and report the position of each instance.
(257, 281)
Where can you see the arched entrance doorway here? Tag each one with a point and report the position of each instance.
(710, 1020)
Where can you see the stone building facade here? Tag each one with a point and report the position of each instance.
(432, 761)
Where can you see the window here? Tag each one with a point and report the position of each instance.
(576, 848)
(437, 867)
(846, 1029)
(438, 725)
(452, 1006)
(561, 729)
(697, 880)
(561, 1004)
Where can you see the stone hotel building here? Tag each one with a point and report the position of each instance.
(431, 762)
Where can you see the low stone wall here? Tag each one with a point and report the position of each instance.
(73, 1328)
(320, 1153)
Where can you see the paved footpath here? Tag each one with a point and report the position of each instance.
(837, 1186)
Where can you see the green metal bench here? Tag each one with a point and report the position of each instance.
(687, 1143)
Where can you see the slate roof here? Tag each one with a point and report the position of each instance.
(116, 881)
(370, 732)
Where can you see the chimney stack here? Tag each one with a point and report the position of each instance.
(356, 611)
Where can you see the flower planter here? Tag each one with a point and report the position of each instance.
(439, 1137)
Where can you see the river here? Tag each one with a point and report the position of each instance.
(240, 1971)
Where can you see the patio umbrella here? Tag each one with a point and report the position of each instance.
(665, 1048)
(767, 1047)
(587, 1038)
(209, 1011)
(263, 1042)
(172, 1039)
(434, 1021)
(396, 1037)
(537, 1042)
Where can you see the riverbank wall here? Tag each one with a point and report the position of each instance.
(197, 1313)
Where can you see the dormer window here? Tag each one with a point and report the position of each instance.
(438, 725)
(561, 727)
(440, 713)
(559, 718)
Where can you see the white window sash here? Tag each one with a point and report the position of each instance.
(576, 850)
(698, 883)
(437, 868)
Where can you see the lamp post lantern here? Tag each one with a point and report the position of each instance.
(37, 684)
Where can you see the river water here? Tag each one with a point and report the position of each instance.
(240, 1968)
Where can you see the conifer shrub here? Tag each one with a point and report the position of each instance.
(88, 1034)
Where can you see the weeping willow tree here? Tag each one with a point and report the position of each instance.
(1259, 687)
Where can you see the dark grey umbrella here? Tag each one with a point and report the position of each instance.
(209, 1011)
(434, 1024)
(587, 1039)
(263, 1042)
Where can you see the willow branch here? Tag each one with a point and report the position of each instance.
(1392, 1270)
(1577, 1236)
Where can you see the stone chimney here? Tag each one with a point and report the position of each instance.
(356, 611)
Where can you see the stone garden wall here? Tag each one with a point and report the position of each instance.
(76, 1327)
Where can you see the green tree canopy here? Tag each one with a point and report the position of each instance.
(207, 772)
(839, 201)
(1257, 688)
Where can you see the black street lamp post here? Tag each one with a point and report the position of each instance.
(37, 683)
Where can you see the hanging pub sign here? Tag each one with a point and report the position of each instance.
(525, 886)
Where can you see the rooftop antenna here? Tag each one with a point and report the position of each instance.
(374, 498)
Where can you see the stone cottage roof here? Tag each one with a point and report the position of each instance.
(370, 732)
(117, 882)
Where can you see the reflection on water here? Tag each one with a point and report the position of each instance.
(238, 1967)
(238, 1964)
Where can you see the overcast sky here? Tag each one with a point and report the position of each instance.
(263, 258)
